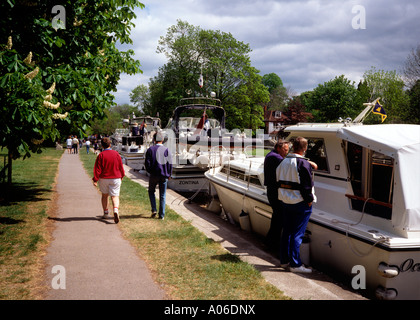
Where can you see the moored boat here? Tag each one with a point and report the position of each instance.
(195, 147)
(367, 214)
(137, 137)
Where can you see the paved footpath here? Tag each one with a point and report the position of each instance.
(88, 258)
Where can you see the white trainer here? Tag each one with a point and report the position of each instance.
(301, 269)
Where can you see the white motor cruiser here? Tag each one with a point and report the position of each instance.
(195, 148)
(365, 225)
(136, 139)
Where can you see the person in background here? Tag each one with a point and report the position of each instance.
(108, 173)
(296, 191)
(75, 144)
(271, 162)
(158, 164)
(87, 146)
(69, 143)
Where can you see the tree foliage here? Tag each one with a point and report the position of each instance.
(226, 68)
(279, 96)
(77, 55)
(389, 86)
(333, 99)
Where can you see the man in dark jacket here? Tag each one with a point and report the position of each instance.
(271, 162)
(159, 165)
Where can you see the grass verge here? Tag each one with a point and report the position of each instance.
(24, 225)
(183, 260)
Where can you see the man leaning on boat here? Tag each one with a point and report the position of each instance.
(296, 191)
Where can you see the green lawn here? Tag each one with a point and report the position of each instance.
(24, 225)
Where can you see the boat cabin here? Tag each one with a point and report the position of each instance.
(360, 168)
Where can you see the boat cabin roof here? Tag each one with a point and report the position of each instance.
(399, 141)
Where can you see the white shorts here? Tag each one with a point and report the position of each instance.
(110, 186)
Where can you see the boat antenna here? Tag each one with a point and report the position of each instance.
(362, 116)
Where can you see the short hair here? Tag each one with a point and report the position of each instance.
(280, 143)
(300, 144)
(106, 142)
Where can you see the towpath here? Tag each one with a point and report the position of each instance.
(88, 258)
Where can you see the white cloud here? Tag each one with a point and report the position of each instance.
(305, 42)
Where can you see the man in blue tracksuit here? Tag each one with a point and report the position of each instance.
(296, 191)
(158, 164)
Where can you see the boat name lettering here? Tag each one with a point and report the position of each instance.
(409, 265)
(188, 182)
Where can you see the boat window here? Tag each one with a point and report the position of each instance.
(238, 174)
(233, 173)
(372, 180)
(254, 180)
(316, 152)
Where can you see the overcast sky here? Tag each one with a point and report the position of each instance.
(305, 42)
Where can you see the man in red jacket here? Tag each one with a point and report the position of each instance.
(108, 173)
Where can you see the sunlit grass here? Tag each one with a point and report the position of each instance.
(23, 224)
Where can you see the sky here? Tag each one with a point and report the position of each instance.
(304, 42)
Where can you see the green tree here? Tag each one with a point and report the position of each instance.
(414, 97)
(140, 96)
(333, 99)
(225, 65)
(272, 81)
(278, 93)
(389, 86)
(73, 47)
(113, 119)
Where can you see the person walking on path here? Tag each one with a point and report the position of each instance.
(296, 191)
(69, 143)
(87, 146)
(108, 173)
(271, 162)
(75, 145)
(158, 164)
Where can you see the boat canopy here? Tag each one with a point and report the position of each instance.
(401, 142)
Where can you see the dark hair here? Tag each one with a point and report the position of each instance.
(106, 142)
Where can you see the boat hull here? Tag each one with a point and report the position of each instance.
(188, 179)
(135, 160)
(367, 265)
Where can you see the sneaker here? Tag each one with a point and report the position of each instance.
(105, 216)
(284, 265)
(154, 213)
(116, 217)
(301, 269)
(161, 218)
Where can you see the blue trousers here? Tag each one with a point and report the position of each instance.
(296, 218)
(162, 182)
(273, 236)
